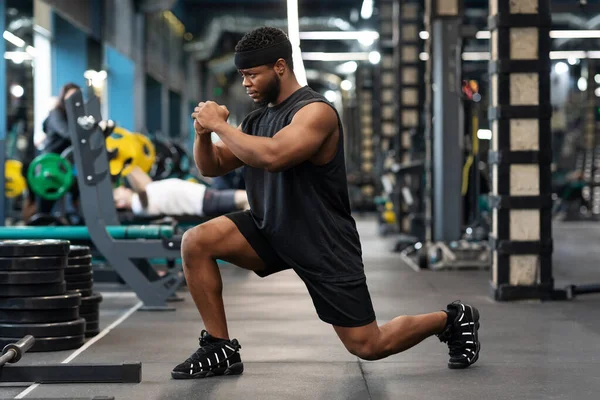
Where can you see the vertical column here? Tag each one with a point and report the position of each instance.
(387, 94)
(520, 111)
(446, 133)
(365, 96)
(409, 107)
(2, 112)
(139, 55)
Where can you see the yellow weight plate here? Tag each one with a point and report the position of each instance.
(15, 183)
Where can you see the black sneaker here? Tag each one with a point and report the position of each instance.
(461, 336)
(214, 357)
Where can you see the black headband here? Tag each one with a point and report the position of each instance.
(267, 55)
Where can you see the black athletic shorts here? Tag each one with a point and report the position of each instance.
(346, 304)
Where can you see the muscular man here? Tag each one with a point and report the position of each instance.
(299, 218)
(176, 197)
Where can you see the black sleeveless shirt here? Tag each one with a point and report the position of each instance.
(304, 211)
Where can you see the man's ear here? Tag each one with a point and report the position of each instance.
(280, 66)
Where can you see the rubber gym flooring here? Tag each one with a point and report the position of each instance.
(530, 350)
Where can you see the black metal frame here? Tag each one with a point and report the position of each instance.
(73, 373)
(95, 185)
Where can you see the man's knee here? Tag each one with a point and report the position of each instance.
(196, 242)
(365, 349)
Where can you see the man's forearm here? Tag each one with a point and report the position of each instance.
(205, 155)
(254, 151)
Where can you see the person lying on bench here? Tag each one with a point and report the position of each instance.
(176, 197)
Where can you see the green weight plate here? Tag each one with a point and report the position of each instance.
(86, 309)
(69, 300)
(78, 270)
(80, 285)
(92, 333)
(31, 277)
(86, 260)
(79, 251)
(39, 316)
(71, 328)
(95, 298)
(43, 344)
(86, 277)
(50, 176)
(33, 263)
(50, 289)
(31, 248)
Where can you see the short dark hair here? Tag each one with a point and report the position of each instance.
(263, 37)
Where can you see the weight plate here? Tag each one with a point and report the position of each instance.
(33, 263)
(84, 292)
(51, 289)
(90, 317)
(80, 285)
(96, 298)
(71, 328)
(50, 343)
(92, 333)
(29, 277)
(92, 326)
(77, 269)
(88, 309)
(69, 300)
(22, 248)
(39, 316)
(86, 260)
(87, 277)
(79, 251)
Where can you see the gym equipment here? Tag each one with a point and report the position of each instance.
(51, 289)
(64, 301)
(83, 260)
(90, 311)
(147, 156)
(31, 277)
(43, 344)
(166, 159)
(184, 162)
(127, 150)
(50, 176)
(56, 329)
(123, 149)
(82, 232)
(62, 373)
(79, 251)
(37, 248)
(78, 269)
(15, 183)
(98, 210)
(33, 263)
(39, 316)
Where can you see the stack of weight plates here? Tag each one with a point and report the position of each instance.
(33, 296)
(79, 278)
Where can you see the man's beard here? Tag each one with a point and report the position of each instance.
(271, 92)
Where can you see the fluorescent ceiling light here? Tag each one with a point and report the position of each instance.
(339, 35)
(366, 11)
(554, 55)
(562, 34)
(484, 134)
(12, 38)
(322, 56)
(294, 36)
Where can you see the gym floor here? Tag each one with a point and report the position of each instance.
(530, 350)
